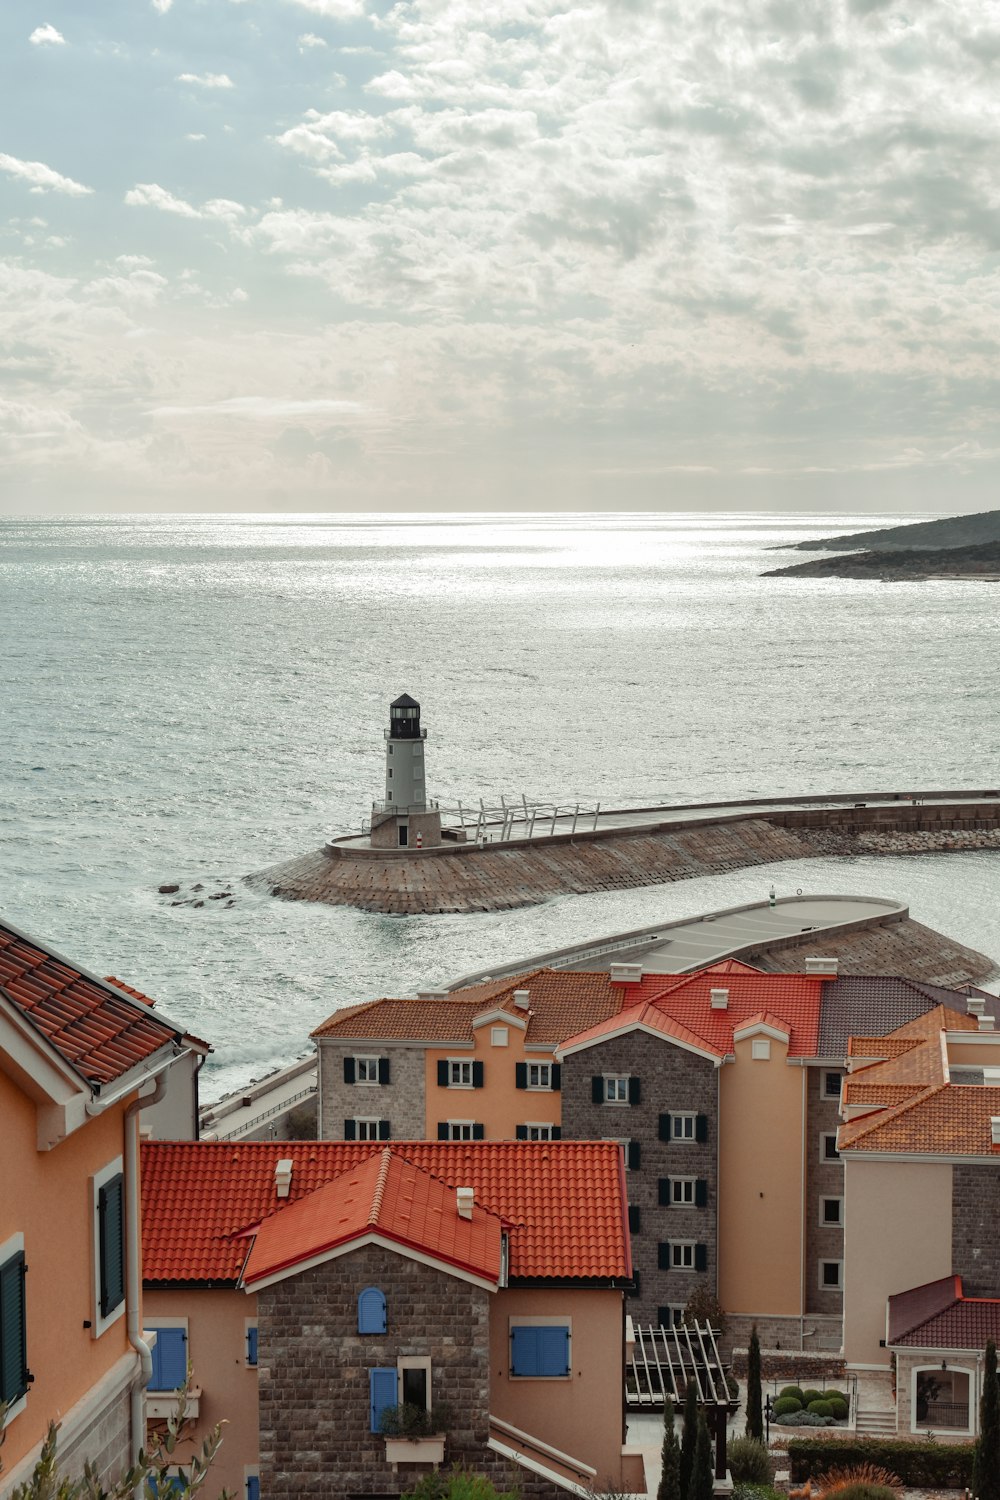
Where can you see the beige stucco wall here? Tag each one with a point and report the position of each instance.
(897, 1235)
(217, 1352)
(761, 1183)
(581, 1416)
(500, 1106)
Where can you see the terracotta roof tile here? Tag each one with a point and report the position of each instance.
(864, 1004)
(564, 1202)
(938, 1316)
(912, 1102)
(792, 999)
(649, 1015)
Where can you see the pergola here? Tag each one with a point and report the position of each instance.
(665, 1360)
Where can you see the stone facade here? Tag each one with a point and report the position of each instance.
(975, 1229)
(671, 1080)
(98, 1430)
(400, 1101)
(824, 1179)
(813, 1337)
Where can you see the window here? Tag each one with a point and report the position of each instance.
(831, 1085)
(251, 1337)
(831, 1211)
(615, 1088)
(366, 1070)
(540, 1349)
(415, 1382)
(543, 1075)
(539, 1075)
(499, 1036)
(760, 1049)
(13, 1326)
(670, 1315)
(383, 1385)
(538, 1132)
(109, 1246)
(252, 1479)
(170, 1360)
(682, 1255)
(371, 1311)
(830, 1275)
(461, 1130)
(632, 1149)
(682, 1127)
(171, 1481)
(460, 1073)
(364, 1128)
(828, 1146)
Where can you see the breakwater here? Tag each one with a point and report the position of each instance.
(502, 876)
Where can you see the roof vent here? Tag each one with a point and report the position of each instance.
(720, 999)
(465, 1197)
(986, 1023)
(431, 994)
(975, 1005)
(522, 999)
(817, 965)
(626, 973)
(283, 1176)
(995, 1130)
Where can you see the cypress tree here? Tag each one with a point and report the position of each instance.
(703, 1469)
(986, 1460)
(670, 1460)
(689, 1436)
(755, 1411)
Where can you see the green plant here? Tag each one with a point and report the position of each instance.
(838, 1407)
(786, 1404)
(747, 1458)
(820, 1408)
(791, 1390)
(703, 1306)
(745, 1491)
(866, 1475)
(986, 1461)
(862, 1492)
(755, 1413)
(811, 1395)
(834, 1396)
(459, 1484)
(670, 1458)
(702, 1470)
(920, 1465)
(408, 1421)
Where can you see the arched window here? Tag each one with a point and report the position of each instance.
(371, 1311)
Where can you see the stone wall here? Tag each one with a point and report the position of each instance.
(670, 1080)
(905, 947)
(400, 1101)
(975, 1229)
(794, 1367)
(824, 1179)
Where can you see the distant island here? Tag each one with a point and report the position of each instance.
(956, 547)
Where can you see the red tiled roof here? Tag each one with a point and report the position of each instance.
(99, 1031)
(907, 1310)
(763, 1018)
(793, 998)
(564, 1201)
(385, 1195)
(938, 1316)
(648, 1015)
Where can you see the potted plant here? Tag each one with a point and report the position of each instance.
(414, 1435)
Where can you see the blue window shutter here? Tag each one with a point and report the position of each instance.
(383, 1070)
(556, 1077)
(524, 1351)
(540, 1351)
(520, 1075)
(253, 1487)
(349, 1070)
(251, 1346)
(350, 1130)
(111, 1231)
(13, 1344)
(169, 1360)
(383, 1130)
(371, 1311)
(478, 1075)
(382, 1392)
(442, 1073)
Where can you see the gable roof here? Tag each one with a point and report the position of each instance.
(647, 1017)
(869, 1004)
(384, 1195)
(563, 1201)
(98, 1028)
(939, 1316)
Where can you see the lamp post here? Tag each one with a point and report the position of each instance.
(768, 1412)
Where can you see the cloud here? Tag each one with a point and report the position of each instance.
(207, 80)
(195, 136)
(334, 10)
(308, 39)
(42, 178)
(263, 407)
(47, 36)
(151, 195)
(162, 6)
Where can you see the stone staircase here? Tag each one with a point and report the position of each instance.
(876, 1423)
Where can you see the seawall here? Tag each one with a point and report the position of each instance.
(502, 876)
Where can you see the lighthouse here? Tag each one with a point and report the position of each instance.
(405, 820)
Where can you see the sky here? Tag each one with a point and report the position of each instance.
(499, 254)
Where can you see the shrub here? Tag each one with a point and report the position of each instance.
(792, 1390)
(927, 1465)
(811, 1395)
(747, 1491)
(806, 1419)
(866, 1476)
(820, 1408)
(460, 1484)
(414, 1421)
(834, 1396)
(838, 1407)
(862, 1492)
(703, 1306)
(785, 1404)
(748, 1460)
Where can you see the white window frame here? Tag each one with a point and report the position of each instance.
(460, 1125)
(616, 1079)
(249, 1323)
(515, 1320)
(827, 1286)
(9, 1248)
(676, 1310)
(365, 1060)
(827, 1094)
(679, 1261)
(624, 1141)
(824, 1136)
(414, 1362)
(499, 1036)
(683, 1116)
(459, 1064)
(538, 1126)
(544, 1068)
(760, 1049)
(956, 1369)
(369, 1122)
(683, 1183)
(99, 1180)
(825, 1223)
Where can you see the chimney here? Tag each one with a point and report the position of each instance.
(986, 1023)
(975, 1005)
(720, 999)
(817, 965)
(465, 1197)
(283, 1176)
(995, 1130)
(522, 999)
(625, 973)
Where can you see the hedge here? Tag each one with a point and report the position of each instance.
(936, 1465)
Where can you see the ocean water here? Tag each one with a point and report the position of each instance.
(190, 698)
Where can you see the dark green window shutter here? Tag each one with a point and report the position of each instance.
(478, 1075)
(701, 1257)
(350, 1130)
(634, 1091)
(478, 1132)
(663, 1255)
(635, 1288)
(701, 1128)
(633, 1156)
(663, 1188)
(556, 1077)
(521, 1075)
(443, 1131)
(597, 1089)
(13, 1341)
(557, 1132)
(443, 1074)
(664, 1127)
(384, 1131)
(665, 1317)
(111, 1235)
(633, 1219)
(521, 1133)
(383, 1070)
(349, 1070)
(701, 1193)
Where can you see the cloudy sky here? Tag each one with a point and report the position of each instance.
(490, 254)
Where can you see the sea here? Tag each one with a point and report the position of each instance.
(189, 698)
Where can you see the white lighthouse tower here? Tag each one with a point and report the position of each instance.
(405, 820)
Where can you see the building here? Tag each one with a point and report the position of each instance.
(405, 819)
(339, 1279)
(79, 1058)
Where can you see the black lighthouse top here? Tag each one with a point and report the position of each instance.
(404, 718)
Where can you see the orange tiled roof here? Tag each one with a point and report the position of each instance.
(564, 1201)
(385, 1195)
(99, 1031)
(649, 1015)
(764, 1018)
(794, 999)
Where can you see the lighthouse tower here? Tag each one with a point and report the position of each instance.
(405, 820)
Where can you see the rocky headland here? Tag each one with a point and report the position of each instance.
(980, 562)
